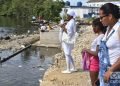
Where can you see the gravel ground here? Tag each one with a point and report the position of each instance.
(18, 42)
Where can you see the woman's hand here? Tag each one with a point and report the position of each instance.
(113, 68)
(107, 76)
(63, 25)
(84, 49)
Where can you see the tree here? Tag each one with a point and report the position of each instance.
(49, 9)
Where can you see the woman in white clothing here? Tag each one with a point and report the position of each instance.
(110, 61)
(69, 30)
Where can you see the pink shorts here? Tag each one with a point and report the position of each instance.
(94, 64)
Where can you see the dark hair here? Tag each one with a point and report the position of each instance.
(110, 8)
(96, 22)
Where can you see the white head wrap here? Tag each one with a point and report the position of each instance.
(71, 13)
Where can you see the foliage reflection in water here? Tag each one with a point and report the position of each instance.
(26, 68)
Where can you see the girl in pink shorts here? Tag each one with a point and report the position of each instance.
(98, 29)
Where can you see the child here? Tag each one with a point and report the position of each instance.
(98, 29)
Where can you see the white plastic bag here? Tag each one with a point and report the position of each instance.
(60, 34)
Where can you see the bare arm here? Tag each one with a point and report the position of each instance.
(95, 53)
(63, 27)
(113, 68)
(116, 66)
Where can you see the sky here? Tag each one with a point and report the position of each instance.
(74, 2)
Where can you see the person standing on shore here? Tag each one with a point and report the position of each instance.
(98, 29)
(68, 40)
(109, 49)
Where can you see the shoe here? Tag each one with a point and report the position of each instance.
(66, 71)
(73, 70)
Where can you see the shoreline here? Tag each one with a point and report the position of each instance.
(18, 42)
(54, 77)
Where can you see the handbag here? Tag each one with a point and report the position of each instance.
(114, 79)
(60, 35)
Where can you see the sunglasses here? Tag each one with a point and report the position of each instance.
(103, 17)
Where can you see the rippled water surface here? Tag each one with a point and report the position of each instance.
(26, 68)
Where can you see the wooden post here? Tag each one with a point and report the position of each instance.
(9, 57)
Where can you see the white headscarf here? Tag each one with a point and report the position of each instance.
(71, 13)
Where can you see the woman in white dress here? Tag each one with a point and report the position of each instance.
(68, 36)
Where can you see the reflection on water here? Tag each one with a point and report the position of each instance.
(10, 26)
(42, 59)
(26, 68)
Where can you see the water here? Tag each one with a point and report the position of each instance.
(26, 68)
(10, 26)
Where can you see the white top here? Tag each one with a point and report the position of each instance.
(113, 43)
(96, 42)
(71, 29)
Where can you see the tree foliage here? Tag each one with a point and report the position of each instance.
(49, 9)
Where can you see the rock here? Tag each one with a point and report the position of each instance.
(16, 43)
(7, 38)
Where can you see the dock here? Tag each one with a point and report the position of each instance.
(49, 39)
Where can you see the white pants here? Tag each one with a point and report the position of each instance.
(69, 62)
(67, 48)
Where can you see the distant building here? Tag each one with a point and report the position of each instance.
(83, 11)
(91, 9)
(99, 3)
